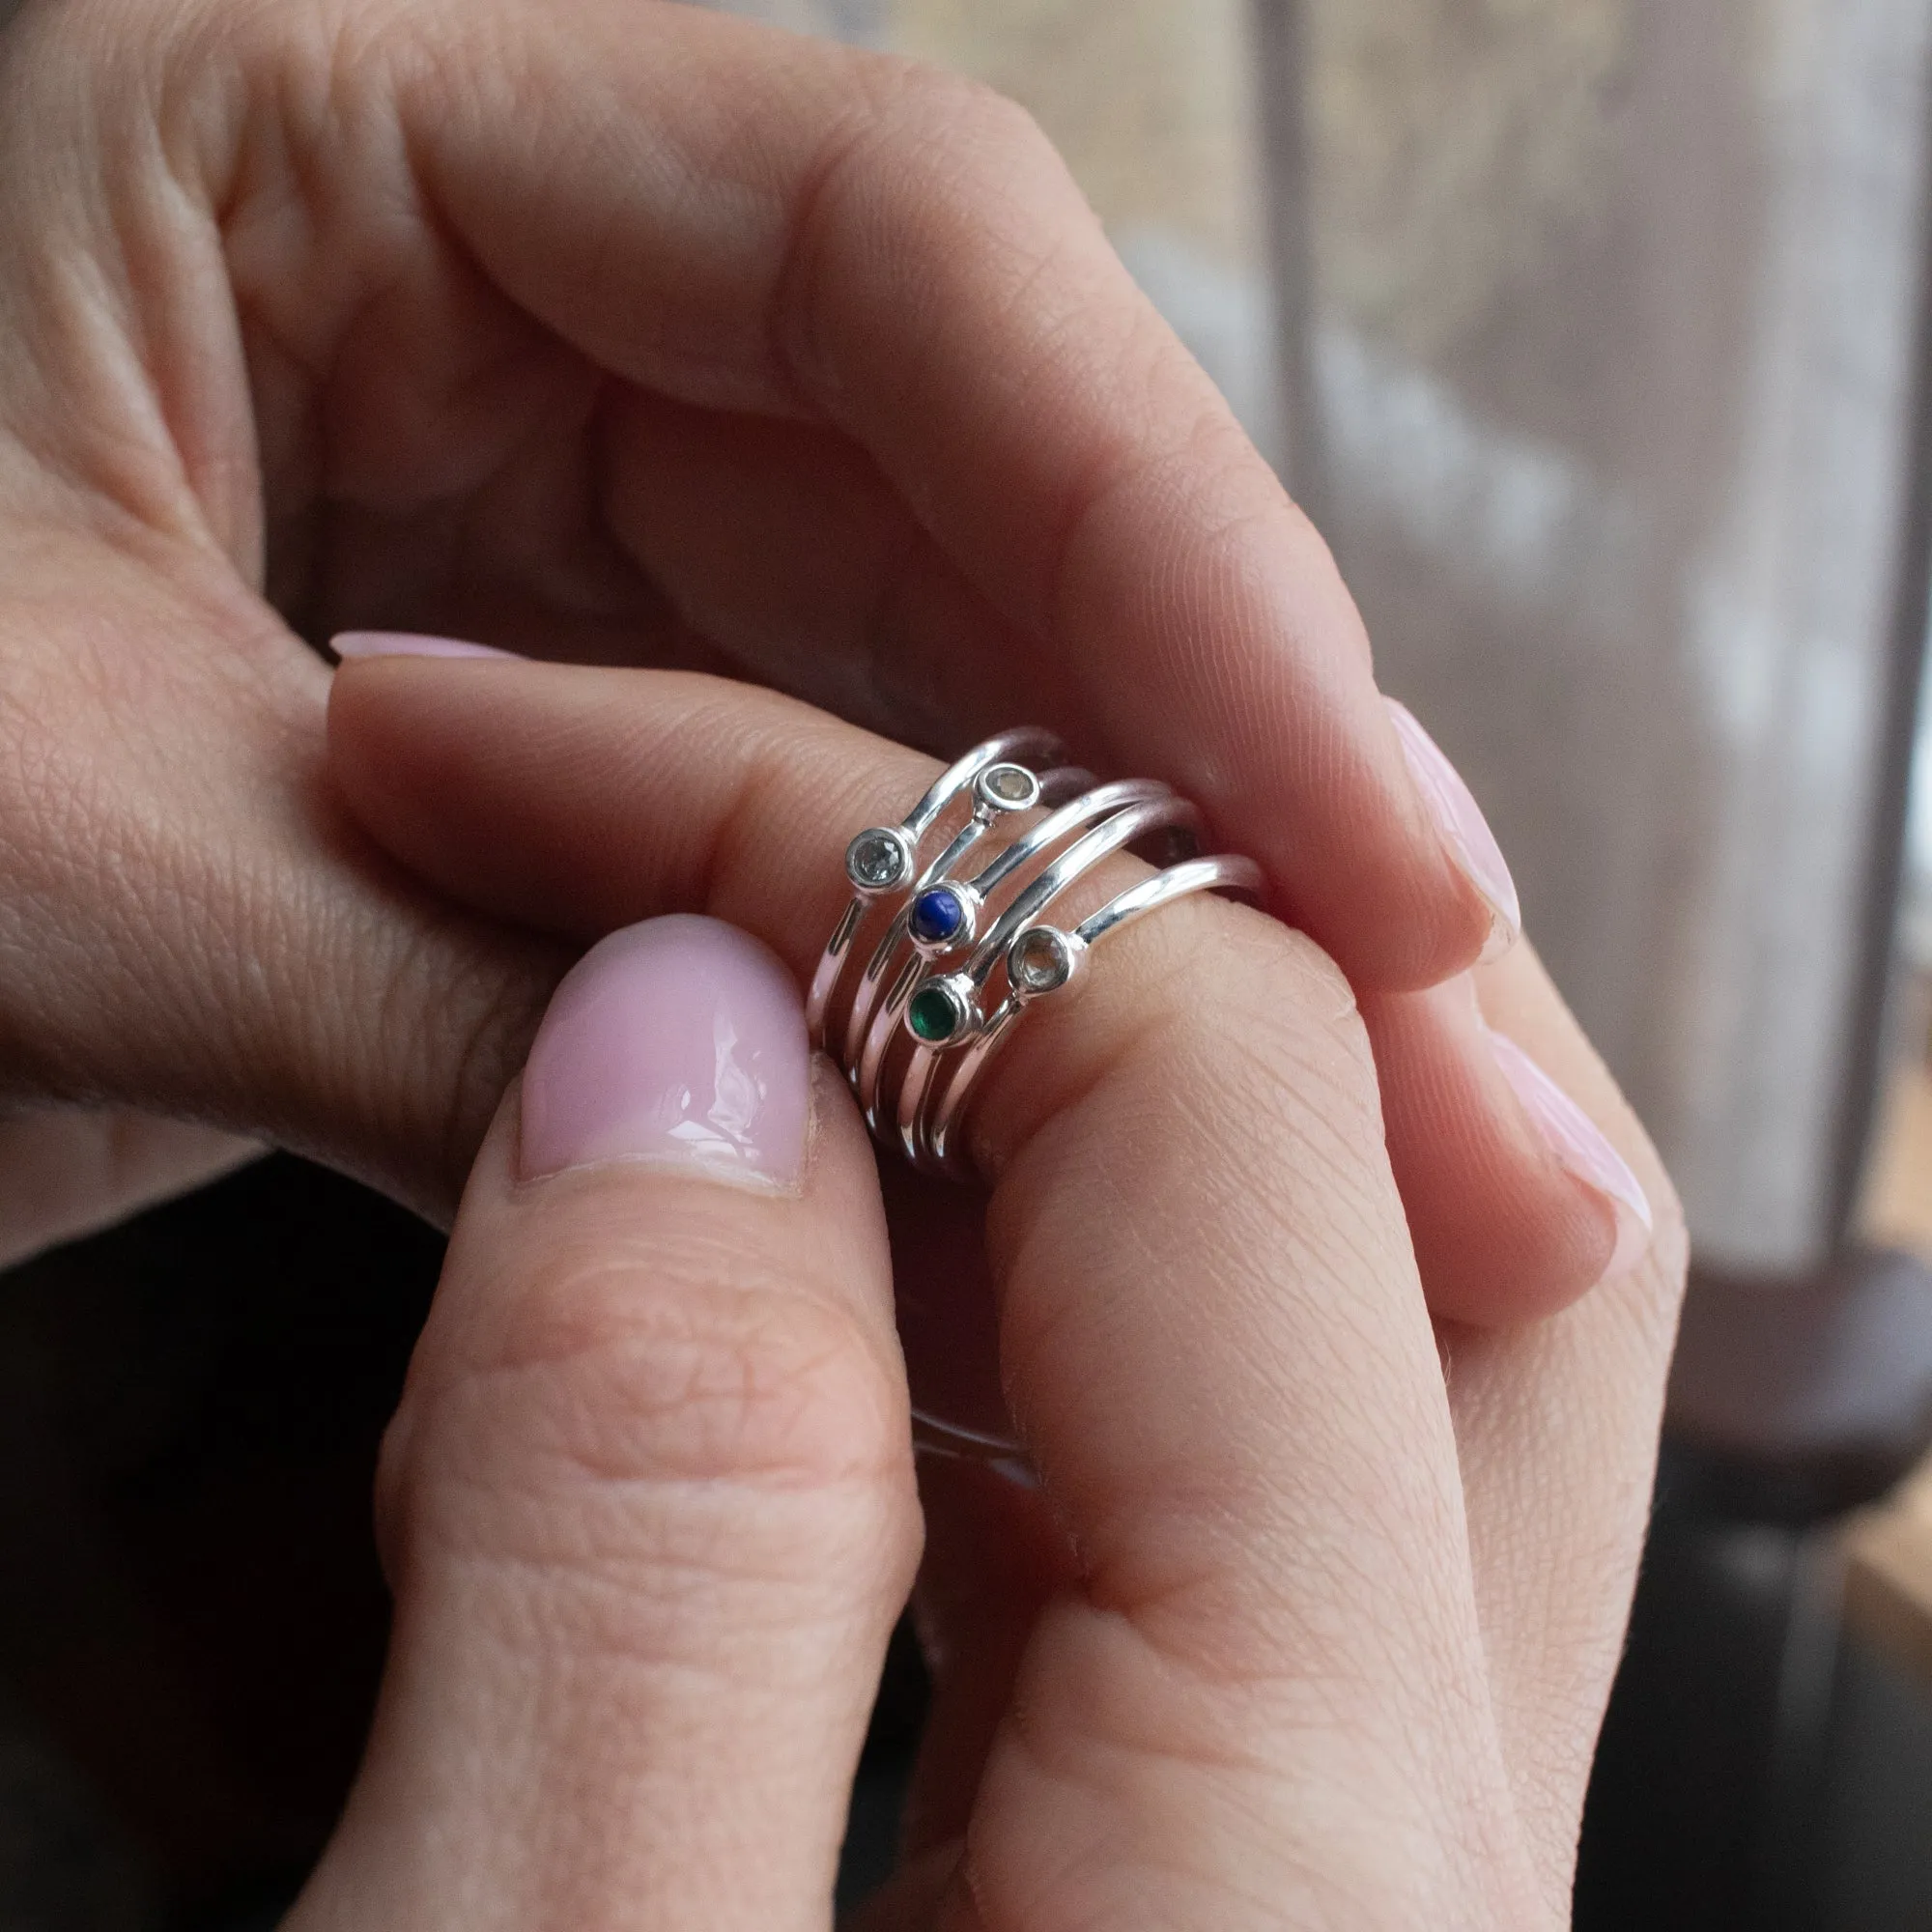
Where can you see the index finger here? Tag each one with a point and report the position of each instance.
(747, 221)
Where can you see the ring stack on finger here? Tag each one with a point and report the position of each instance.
(941, 950)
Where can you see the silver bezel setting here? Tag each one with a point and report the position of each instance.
(969, 924)
(989, 789)
(1067, 950)
(891, 834)
(962, 995)
(916, 1093)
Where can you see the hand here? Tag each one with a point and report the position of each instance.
(613, 331)
(574, 800)
(1313, 1616)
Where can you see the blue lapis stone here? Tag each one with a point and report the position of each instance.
(936, 917)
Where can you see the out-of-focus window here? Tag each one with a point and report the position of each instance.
(1612, 348)
(1601, 364)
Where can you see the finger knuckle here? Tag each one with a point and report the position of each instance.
(1276, 1064)
(652, 1451)
(1286, 1000)
(940, 109)
(942, 159)
(685, 1367)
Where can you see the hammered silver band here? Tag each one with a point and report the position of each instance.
(958, 955)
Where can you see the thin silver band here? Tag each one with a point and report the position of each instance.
(883, 1015)
(1055, 786)
(912, 1026)
(1026, 744)
(1164, 814)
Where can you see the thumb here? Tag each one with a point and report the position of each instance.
(648, 1502)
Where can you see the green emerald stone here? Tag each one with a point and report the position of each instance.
(932, 1015)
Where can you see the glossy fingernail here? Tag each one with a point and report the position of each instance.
(1579, 1145)
(1464, 831)
(407, 644)
(679, 1043)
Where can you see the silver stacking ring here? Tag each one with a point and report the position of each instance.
(958, 955)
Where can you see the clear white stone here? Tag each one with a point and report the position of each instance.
(1041, 962)
(874, 859)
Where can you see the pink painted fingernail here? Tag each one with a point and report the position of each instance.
(1464, 831)
(680, 1042)
(407, 644)
(1582, 1148)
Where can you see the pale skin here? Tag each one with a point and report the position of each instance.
(1313, 1617)
(622, 332)
(606, 330)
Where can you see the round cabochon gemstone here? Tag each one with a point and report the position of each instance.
(874, 859)
(933, 1014)
(936, 917)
